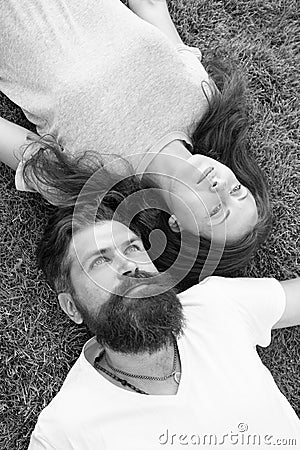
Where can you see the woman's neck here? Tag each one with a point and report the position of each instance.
(164, 165)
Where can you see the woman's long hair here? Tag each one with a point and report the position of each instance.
(220, 134)
(67, 181)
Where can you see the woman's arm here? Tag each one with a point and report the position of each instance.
(12, 139)
(156, 12)
(291, 315)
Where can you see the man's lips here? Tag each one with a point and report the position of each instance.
(133, 290)
(131, 286)
(205, 174)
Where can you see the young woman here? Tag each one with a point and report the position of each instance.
(99, 76)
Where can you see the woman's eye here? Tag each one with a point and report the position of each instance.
(216, 210)
(237, 188)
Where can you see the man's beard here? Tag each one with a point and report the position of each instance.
(145, 321)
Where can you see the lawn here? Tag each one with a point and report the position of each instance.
(38, 344)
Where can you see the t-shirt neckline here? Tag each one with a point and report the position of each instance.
(100, 380)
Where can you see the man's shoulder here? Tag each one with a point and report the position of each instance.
(217, 290)
(74, 395)
(252, 305)
(65, 397)
(208, 289)
(60, 423)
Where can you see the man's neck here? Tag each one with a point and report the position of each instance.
(164, 363)
(157, 364)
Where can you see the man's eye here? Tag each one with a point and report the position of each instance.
(216, 210)
(99, 261)
(133, 248)
(236, 188)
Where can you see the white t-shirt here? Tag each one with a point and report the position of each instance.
(225, 393)
(97, 77)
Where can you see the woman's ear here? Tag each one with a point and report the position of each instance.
(67, 304)
(174, 224)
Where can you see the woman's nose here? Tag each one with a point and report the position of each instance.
(217, 185)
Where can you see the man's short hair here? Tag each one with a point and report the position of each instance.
(53, 249)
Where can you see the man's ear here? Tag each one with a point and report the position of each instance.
(68, 306)
(174, 224)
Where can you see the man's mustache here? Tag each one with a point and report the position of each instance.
(148, 280)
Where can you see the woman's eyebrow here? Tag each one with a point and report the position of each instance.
(225, 217)
(244, 196)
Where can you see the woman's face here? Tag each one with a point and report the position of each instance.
(208, 200)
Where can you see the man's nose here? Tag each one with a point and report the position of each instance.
(125, 266)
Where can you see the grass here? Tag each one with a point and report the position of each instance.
(38, 344)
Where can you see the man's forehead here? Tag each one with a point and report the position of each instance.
(101, 235)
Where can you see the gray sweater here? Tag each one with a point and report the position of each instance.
(97, 77)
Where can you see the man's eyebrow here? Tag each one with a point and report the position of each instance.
(104, 251)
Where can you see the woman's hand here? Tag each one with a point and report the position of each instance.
(13, 138)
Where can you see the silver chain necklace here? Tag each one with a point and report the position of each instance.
(115, 377)
(175, 374)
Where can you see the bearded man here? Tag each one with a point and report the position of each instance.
(164, 369)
